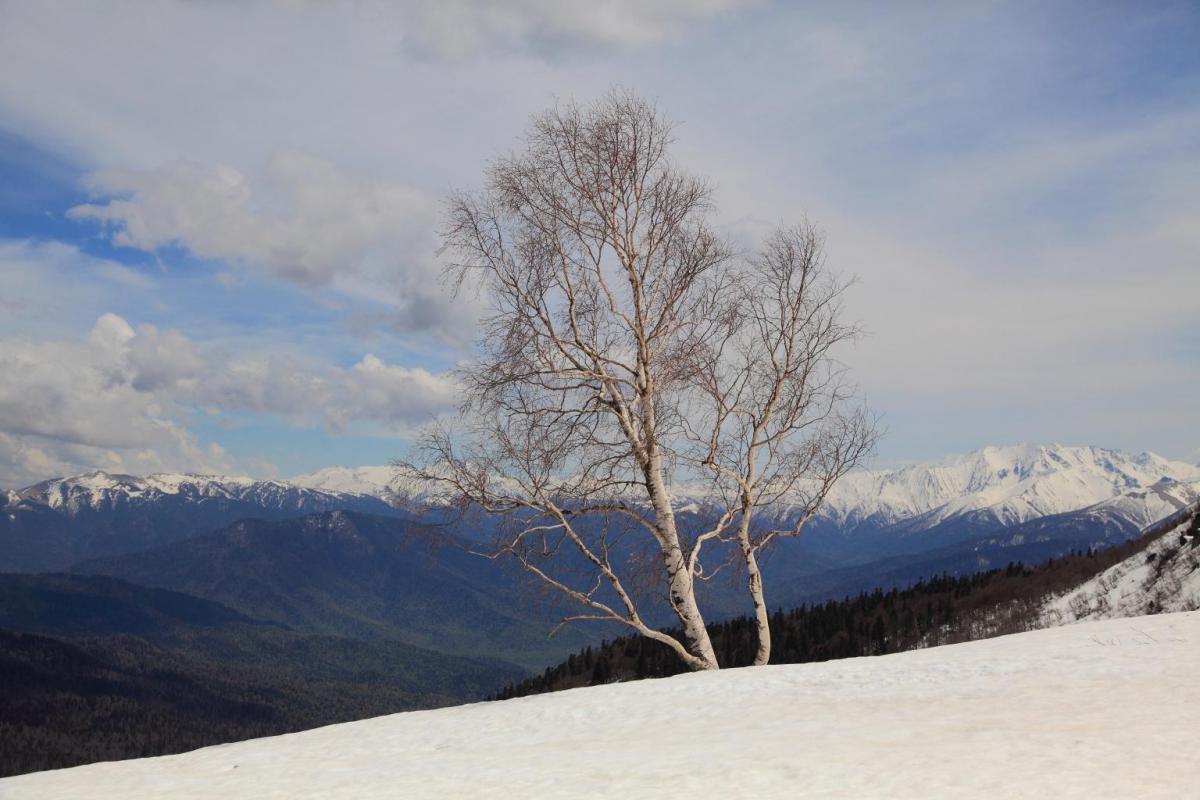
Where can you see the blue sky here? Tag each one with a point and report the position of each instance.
(218, 221)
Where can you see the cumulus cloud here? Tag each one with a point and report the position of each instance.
(389, 396)
(300, 218)
(126, 399)
(161, 360)
(390, 393)
(78, 405)
(1020, 235)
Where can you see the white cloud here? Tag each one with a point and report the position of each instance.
(126, 398)
(128, 84)
(1016, 190)
(78, 405)
(390, 393)
(301, 219)
(371, 393)
(155, 359)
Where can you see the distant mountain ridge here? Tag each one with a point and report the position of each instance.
(961, 514)
(1017, 483)
(1014, 484)
(102, 490)
(378, 481)
(58, 522)
(1011, 485)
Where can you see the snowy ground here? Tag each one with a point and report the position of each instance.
(1163, 577)
(1104, 709)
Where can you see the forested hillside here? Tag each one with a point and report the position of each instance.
(933, 611)
(94, 668)
(74, 702)
(359, 575)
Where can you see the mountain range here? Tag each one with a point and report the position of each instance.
(994, 498)
(279, 605)
(1011, 485)
(993, 486)
(59, 522)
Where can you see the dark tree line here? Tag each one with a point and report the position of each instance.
(933, 611)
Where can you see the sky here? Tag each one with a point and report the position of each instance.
(218, 221)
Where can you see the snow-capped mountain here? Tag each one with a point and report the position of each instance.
(382, 482)
(1145, 506)
(59, 522)
(1009, 484)
(101, 490)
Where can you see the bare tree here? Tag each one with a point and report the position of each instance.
(615, 315)
(769, 420)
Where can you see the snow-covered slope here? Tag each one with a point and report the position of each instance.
(1093, 710)
(1163, 577)
(1145, 506)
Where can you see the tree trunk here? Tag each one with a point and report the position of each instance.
(682, 595)
(754, 582)
(681, 590)
(762, 620)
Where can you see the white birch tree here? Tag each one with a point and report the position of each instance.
(606, 364)
(771, 420)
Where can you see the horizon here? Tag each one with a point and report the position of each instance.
(865, 468)
(221, 262)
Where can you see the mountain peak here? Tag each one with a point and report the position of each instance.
(101, 489)
(1014, 483)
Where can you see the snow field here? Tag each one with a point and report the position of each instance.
(1099, 709)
